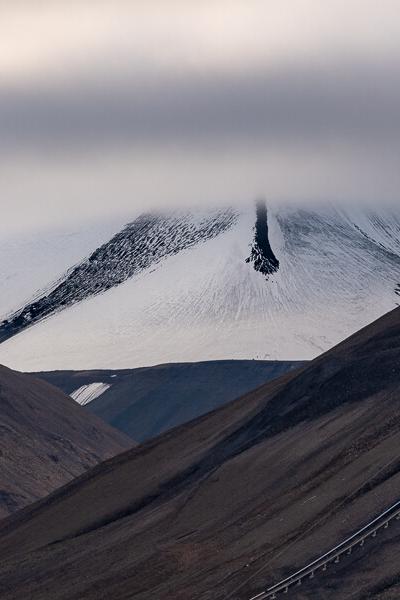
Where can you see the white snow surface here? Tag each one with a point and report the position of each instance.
(338, 272)
(87, 393)
(35, 262)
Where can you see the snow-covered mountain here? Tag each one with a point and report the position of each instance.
(267, 282)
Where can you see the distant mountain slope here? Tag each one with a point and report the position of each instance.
(46, 440)
(226, 505)
(145, 402)
(32, 261)
(272, 283)
(139, 246)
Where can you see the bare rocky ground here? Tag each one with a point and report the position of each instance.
(46, 440)
(230, 503)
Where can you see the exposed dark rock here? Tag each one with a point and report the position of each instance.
(262, 255)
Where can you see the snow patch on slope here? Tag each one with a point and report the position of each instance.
(87, 393)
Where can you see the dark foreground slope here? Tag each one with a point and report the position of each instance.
(232, 502)
(46, 440)
(146, 402)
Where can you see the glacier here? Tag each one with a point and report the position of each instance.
(192, 287)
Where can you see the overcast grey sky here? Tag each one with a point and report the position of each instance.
(114, 107)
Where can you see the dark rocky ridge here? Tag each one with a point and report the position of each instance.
(228, 504)
(148, 401)
(140, 245)
(262, 255)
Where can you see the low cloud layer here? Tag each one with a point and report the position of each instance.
(297, 105)
(281, 99)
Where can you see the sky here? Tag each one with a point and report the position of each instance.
(111, 108)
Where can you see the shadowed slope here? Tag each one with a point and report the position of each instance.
(46, 440)
(234, 501)
(148, 401)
